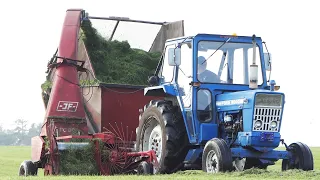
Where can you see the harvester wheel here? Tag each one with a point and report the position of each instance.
(145, 168)
(27, 168)
(216, 156)
(161, 128)
(302, 158)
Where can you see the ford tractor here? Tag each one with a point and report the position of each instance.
(218, 109)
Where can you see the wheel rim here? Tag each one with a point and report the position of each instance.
(152, 137)
(155, 141)
(212, 164)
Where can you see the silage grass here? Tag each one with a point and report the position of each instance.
(116, 61)
(77, 161)
(82, 161)
(11, 157)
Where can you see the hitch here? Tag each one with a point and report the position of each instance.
(283, 143)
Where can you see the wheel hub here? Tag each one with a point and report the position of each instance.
(155, 141)
(212, 162)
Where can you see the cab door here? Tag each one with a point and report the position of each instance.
(185, 88)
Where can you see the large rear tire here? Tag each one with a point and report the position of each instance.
(161, 128)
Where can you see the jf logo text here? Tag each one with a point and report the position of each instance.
(67, 106)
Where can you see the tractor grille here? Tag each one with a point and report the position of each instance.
(265, 116)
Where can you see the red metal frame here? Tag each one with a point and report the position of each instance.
(129, 159)
(121, 104)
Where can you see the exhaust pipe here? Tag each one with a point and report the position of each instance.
(253, 67)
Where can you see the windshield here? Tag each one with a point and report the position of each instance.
(229, 64)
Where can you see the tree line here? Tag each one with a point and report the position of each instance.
(20, 135)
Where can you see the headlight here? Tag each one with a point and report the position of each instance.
(258, 124)
(274, 124)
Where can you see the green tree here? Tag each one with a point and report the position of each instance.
(21, 126)
(20, 131)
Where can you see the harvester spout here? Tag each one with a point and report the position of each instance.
(65, 109)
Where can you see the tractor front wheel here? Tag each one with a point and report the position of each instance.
(28, 168)
(161, 128)
(302, 158)
(216, 156)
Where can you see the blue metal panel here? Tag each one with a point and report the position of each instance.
(248, 119)
(223, 103)
(193, 155)
(259, 140)
(273, 154)
(208, 131)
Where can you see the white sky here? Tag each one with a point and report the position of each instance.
(31, 30)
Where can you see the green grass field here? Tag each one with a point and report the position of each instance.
(11, 157)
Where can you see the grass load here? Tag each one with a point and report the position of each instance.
(115, 61)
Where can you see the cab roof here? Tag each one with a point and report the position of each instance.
(217, 37)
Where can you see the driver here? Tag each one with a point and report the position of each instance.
(205, 75)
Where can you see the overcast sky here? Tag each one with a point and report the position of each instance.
(30, 32)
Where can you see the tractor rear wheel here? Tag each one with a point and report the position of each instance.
(216, 156)
(161, 128)
(302, 158)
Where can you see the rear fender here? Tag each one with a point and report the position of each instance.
(170, 91)
(162, 90)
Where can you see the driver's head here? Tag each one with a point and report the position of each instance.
(202, 64)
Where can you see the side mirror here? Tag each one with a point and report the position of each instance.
(153, 80)
(174, 55)
(267, 60)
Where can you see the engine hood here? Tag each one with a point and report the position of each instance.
(242, 99)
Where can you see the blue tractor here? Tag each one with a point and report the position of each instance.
(217, 110)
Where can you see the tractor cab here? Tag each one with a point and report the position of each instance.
(198, 68)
